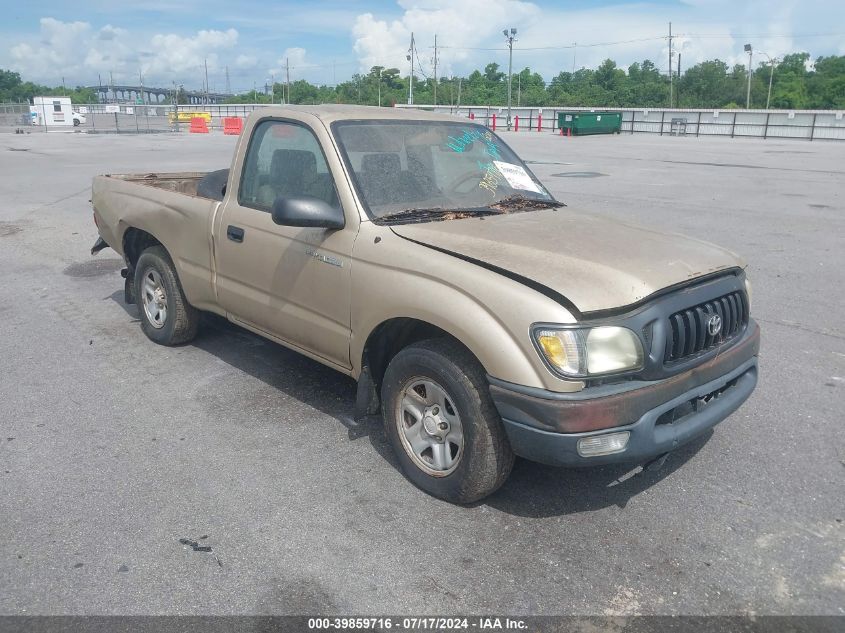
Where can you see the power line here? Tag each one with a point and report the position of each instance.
(557, 48)
(759, 35)
(419, 63)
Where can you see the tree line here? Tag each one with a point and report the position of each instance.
(710, 84)
(796, 84)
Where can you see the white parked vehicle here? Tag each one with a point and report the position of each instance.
(78, 118)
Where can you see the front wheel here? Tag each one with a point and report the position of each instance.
(442, 423)
(166, 316)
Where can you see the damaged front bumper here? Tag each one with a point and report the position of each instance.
(657, 416)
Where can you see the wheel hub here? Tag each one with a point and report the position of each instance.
(434, 424)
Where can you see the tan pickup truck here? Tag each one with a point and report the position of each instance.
(418, 254)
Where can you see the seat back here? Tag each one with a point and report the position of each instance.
(381, 177)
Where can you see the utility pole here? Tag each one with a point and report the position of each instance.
(141, 83)
(518, 88)
(111, 77)
(510, 38)
(206, 81)
(410, 58)
(671, 92)
(771, 76)
(100, 84)
(287, 77)
(574, 53)
(379, 87)
(435, 69)
(748, 93)
(228, 84)
(64, 90)
(678, 89)
(459, 92)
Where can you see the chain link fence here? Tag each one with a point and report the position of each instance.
(799, 124)
(145, 119)
(124, 118)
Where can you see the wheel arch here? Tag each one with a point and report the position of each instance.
(383, 343)
(135, 241)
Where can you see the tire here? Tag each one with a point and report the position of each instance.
(76, 123)
(166, 318)
(460, 472)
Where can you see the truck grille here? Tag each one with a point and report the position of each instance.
(689, 335)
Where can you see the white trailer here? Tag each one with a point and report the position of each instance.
(54, 111)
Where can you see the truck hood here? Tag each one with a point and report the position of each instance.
(596, 263)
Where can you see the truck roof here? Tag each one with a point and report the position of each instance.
(329, 113)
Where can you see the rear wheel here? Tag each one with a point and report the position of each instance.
(442, 423)
(166, 316)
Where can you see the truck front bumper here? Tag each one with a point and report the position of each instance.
(659, 416)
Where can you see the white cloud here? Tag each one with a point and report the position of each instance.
(707, 29)
(294, 59)
(76, 50)
(179, 54)
(246, 61)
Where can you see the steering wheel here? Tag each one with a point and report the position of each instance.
(468, 176)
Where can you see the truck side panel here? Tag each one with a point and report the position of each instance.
(181, 223)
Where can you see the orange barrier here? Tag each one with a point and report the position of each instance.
(198, 125)
(233, 125)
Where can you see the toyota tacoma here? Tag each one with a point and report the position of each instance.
(417, 253)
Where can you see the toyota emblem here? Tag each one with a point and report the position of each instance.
(714, 325)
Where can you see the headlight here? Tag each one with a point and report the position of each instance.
(748, 291)
(582, 352)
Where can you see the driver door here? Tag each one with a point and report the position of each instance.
(290, 282)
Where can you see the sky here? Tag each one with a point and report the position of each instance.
(166, 41)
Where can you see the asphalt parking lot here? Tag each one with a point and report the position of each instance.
(113, 449)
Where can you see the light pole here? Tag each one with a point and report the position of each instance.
(410, 58)
(771, 76)
(748, 94)
(510, 39)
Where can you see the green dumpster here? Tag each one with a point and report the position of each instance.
(582, 123)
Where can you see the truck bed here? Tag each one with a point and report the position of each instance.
(169, 207)
(179, 182)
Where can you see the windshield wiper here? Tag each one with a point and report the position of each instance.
(422, 214)
(518, 201)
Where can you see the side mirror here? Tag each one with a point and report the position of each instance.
(306, 211)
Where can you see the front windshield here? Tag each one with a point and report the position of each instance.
(403, 166)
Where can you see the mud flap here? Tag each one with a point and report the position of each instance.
(128, 286)
(366, 397)
(99, 245)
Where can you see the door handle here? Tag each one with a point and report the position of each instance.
(235, 233)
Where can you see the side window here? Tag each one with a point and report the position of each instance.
(284, 159)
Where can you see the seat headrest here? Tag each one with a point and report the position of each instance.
(290, 166)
